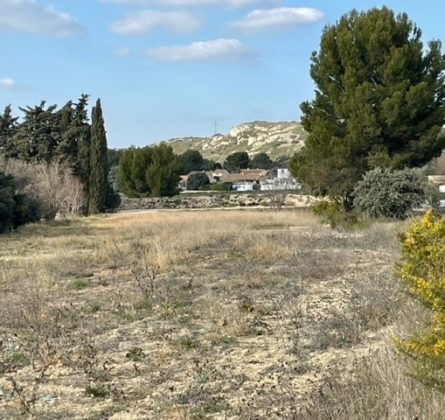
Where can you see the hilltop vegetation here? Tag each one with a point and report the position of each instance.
(276, 139)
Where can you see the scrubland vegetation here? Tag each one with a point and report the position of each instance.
(242, 314)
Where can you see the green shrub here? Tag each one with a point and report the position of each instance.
(97, 391)
(16, 209)
(334, 213)
(422, 275)
(225, 186)
(392, 193)
(197, 180)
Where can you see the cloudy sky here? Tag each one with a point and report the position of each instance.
(166, 68)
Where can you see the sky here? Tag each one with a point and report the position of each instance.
(174, 68)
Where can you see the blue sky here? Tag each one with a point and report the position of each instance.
(167, 68)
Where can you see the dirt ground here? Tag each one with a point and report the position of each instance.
(190, 315)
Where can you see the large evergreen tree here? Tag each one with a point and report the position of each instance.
(162, 175)
(261, 161)
(37, 137)
(379, 102)
(82, 132)
(236, 161)
(149, 171)
(189, 161)
(98, 180)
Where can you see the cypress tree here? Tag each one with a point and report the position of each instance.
(8, 127)
(81, 127)
(98, 182)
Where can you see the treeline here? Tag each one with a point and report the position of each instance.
(63, 143)
(155, 171)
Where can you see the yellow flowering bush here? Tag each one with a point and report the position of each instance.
(422, 273)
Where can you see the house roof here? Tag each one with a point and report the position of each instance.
(247, 176)
(220, 173)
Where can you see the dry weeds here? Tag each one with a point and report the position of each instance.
(206, 314)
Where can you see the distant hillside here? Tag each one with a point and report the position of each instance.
(276, 139)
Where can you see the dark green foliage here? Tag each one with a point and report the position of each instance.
(237, 161)
(83, 130)
(334, 213)
(189, 161)
(113, 200)
(379, 101)
(210, 165)
(162, 174)
(7, 202)
(197, 180)
(148, 171)
(16, 209)
(8, 127)
(98, 181)
(391, 193)
(37, 137)
(27, 209)
(131, 172)
(261, 161)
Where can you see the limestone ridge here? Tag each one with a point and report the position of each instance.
(276, 139)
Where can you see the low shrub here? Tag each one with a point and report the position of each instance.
(335, 214)
(393, 193)
(16, 208)
(197, 181)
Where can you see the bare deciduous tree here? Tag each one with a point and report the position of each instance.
(53, 185)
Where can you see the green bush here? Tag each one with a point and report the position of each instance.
(334, 213)
(225, 186)
(16, 209)
(392, 193)
(197, 180)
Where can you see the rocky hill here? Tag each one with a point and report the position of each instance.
(276, 139)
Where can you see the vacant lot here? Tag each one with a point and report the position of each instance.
(190, 315)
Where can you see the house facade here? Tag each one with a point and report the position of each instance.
(283, 181)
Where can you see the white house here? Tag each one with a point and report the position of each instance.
(283, 181)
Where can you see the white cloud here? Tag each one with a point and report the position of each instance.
(32, 17)
(218, 49)
(222, 3)
(8, 83)
(147, 20)
(279, 17)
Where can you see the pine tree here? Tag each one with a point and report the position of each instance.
(37, 137)
(379, 102)
(237, 161)
(98, 182)
(148, 172)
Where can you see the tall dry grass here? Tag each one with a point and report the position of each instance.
(261, 284)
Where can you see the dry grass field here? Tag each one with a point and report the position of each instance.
(205, 314)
